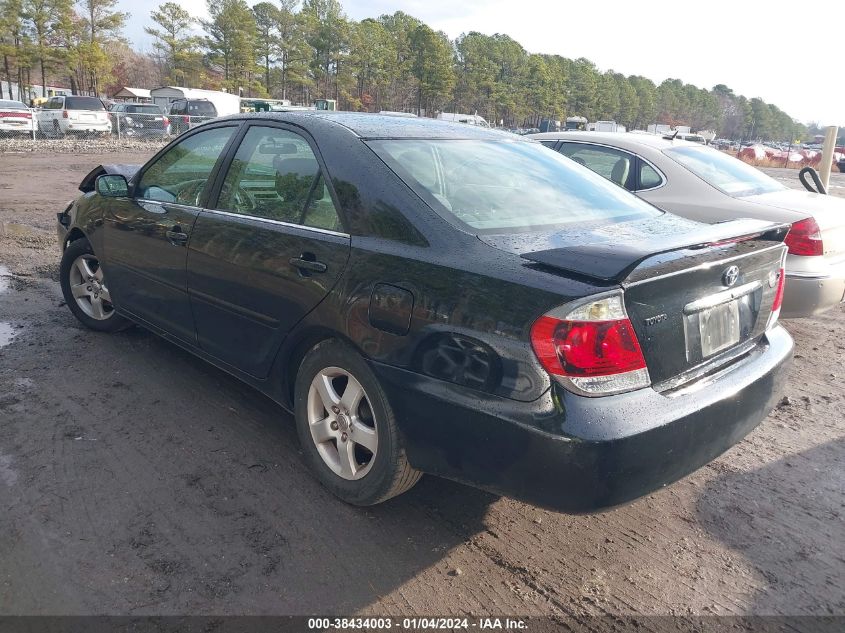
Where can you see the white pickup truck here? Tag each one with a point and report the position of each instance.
(72, 114)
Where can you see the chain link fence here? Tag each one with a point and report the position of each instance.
(29, 128)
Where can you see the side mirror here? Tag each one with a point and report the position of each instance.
(112, 186)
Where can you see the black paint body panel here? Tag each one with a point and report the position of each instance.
(442, 316)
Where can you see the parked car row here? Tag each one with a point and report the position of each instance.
(63, 115)
(449, 299)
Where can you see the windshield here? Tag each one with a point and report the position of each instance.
(728, 174)
(4, 103)
(505, 187)
(83, 103)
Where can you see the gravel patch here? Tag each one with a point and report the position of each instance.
(80, 145)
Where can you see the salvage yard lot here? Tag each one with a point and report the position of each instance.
(137, 479)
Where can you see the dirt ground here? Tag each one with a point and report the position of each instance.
(136, 479)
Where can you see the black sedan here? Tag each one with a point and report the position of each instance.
(441, 298)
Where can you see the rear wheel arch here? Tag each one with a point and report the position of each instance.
(298, 350)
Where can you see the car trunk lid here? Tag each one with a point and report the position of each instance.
(696, 294)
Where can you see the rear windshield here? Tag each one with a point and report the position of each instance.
(201, 108)
(506, 187)
(143, 109)
(5, 103)
(728, 174)
(83, 103)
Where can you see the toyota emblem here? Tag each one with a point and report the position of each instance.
(730, 276)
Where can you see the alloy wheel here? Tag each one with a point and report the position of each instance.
(342, 424)
(88, 288)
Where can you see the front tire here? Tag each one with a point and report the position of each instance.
(347, 428)
(84, 288)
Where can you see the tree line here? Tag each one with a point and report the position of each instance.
(309, 50)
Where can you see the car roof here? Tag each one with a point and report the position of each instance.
(620, 139)
(380, 126)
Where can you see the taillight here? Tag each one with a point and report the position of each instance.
(805, 238)
(16, 114)
(165, 120)
(778, 300)
(64, 114)
(186, 119)
(591, 348)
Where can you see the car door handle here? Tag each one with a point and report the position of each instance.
(308, 264)
(176, 236)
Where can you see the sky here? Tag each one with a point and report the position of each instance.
(770, 49)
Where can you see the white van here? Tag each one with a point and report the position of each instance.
(469, 119)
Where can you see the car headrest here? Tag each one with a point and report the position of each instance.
(619, 174)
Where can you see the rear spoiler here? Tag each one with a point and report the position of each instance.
(612, 262)
(87, 183)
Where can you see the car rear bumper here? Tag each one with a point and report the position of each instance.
(808, 295)
(577, 454)
(88, 127)
(25, 128)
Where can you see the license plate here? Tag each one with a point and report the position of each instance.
(719, 327)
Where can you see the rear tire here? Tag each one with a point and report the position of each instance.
(85, 291)
(347, 428)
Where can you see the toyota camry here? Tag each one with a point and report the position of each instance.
(428, 297)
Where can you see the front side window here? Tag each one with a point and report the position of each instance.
(276, 176)
(613, 164)
(728, 174)
(180, 174)
(506, 186)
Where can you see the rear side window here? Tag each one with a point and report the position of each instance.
(615, 165)
(201, 108)
(83, 103)
(506, 186)
(275, 175)
(649, 178)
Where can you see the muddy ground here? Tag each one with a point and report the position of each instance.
(136, 479)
